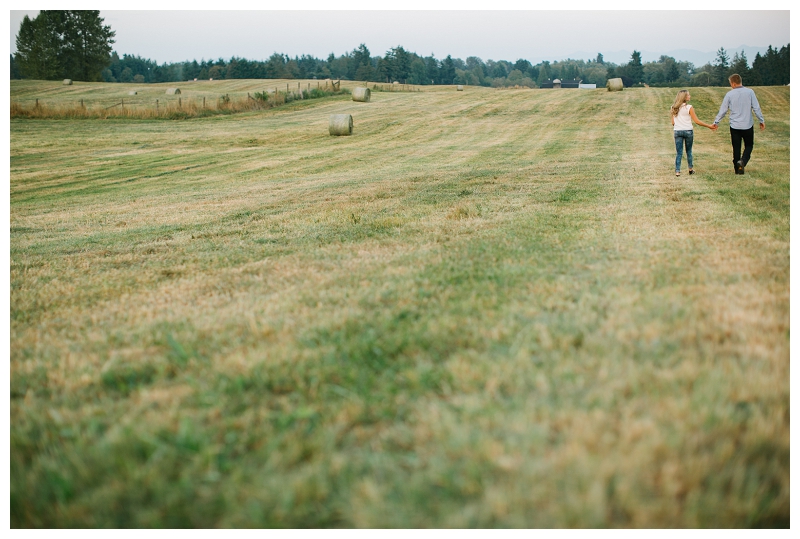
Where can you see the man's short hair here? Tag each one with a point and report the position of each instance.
(735, 78)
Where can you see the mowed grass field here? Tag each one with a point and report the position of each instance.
(489, 308)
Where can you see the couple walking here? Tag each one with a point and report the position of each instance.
(740, 101)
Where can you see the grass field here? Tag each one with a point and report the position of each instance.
(483, 309)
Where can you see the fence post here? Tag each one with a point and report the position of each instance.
(81, 103)
(204, 102)
(37, 102)
(179, 102)
(287, 87)
(156, 107)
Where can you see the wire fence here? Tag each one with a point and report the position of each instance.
(177, 105)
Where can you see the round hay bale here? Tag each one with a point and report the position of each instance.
(340, 124)
(614, 85)
(133, 92)
(173, 91)
(460, 88)
(67, 82)
(361, 94)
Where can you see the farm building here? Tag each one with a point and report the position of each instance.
(556, 83)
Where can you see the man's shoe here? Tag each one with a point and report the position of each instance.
(739, 167)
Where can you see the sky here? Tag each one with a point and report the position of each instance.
(507, 34)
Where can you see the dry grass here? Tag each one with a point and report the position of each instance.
(242, 321)
(146, 104)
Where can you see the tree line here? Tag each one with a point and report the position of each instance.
(75, 44)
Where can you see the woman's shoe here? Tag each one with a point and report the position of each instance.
(691, 171)
(677, 173)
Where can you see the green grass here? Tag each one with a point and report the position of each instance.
(483, 309)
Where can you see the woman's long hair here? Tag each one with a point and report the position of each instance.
(680, 100)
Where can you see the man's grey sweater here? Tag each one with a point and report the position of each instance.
(740, 101)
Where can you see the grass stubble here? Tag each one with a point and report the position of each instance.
(483, 309)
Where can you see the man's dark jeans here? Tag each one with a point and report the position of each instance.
(737, 136)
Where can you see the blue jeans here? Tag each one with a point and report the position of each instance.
(681, 138)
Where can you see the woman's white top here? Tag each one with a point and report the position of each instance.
(683, 122)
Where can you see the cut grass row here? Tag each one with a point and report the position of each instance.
(482, 309)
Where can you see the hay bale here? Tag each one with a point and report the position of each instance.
(340, 124)
(133, 92)
(460, 88)
(361, 94)
(173, 91)
(614, 85)
(67, 82)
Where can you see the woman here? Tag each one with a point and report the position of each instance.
(682, 116)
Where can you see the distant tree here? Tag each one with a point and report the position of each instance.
(635, 71)
(523, 66)
(544, 73)
(399, 63)
(383, 69)
(773, 67)
(473, 62)
(126, 75)
(365, 72)
(448, 71)
(721, 65)
(739, 65)
(15, 73)
(70, 44)
(418, 75)
(276, 66)
(432, 69)
(216, 72)
(671, 70)
(599, 59)
(39, 45)
(292, 70)
(498, 69)
(86, 45)
(362, 64)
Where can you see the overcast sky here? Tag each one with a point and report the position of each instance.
(171, 36)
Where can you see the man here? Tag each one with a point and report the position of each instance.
(740, 101)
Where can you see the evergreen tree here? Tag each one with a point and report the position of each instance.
(15, 74)
(739, 65)
(39, 46)
(432, 72)
(447, 71)
(71, 44)
(361, 64)
(721, 67)
(634, 70)
(417, 75)
(276, 66)
(399, 62)
(87, 45)
(544, 73)
(671, 71)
